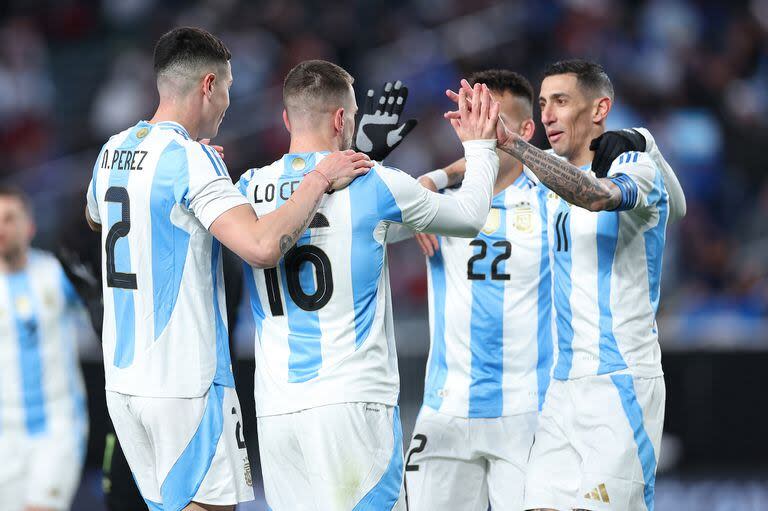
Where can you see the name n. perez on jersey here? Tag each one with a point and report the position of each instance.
(156, 192)
(323, 316)
(490, 312)
(607, 273)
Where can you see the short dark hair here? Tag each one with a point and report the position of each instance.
(590, 75)
(16, 193)
(316, 83)
(190, 47)
(504, 80)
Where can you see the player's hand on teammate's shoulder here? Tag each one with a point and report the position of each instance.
(378, 128)
(340, 168)
(610, 145)
(478, 113)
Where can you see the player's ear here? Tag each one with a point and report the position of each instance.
(208, 82)
(338, 120)
(286, 121)
(601, 109)
(527, 128)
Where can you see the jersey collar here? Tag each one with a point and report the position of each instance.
(175, 126)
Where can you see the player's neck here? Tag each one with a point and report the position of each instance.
(13, 262)
(310, 143)
(181, 116)
(507, 176)
(583, 157)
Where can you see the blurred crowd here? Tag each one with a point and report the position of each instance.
(73, 73)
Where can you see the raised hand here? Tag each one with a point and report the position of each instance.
(503, 134)
(342, 167)
(378, 131)
(478, 113)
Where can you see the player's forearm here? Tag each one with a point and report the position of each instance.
(278, 231)
(577, 187)
(464, 213)
(455, 172)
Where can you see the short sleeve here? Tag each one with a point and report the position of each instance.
(403, 200)
(638, 179)
(210, 191)
(90, 196)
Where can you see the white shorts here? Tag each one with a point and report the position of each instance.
(597, 444)
(335, 458)
(463, 464)
(184, 450)
(42, 470)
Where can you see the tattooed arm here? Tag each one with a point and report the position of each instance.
(261, 242)
(576, 186)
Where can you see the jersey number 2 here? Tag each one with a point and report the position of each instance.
(119, 230)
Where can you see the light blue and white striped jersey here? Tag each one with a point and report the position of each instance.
(41, 388)
(156, 192)
(490, 312)
(606, 275)
(324, 331)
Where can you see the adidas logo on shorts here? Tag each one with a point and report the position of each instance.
(599, 493)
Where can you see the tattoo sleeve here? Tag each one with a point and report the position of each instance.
(568, 181)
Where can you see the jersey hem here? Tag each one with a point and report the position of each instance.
(634, 372)
(512, 413)
(264, 411)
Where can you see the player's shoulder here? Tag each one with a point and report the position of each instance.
(198, 157)
(631, 159)
(384, 178)
(382, 170)
(118, 138)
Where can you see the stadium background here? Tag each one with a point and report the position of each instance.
(695, 72)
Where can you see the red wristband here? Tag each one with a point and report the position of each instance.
(329, 189)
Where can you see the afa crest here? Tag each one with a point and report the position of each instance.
(523, 220)
(493, 221)
(23, 306)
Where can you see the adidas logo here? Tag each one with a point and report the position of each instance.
(599, 494)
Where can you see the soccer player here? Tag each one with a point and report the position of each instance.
(600, 428)
(491, 342)
(167, 203)
(43, 420)
(327, 384)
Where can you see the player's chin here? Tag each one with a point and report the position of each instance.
(559, 147)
